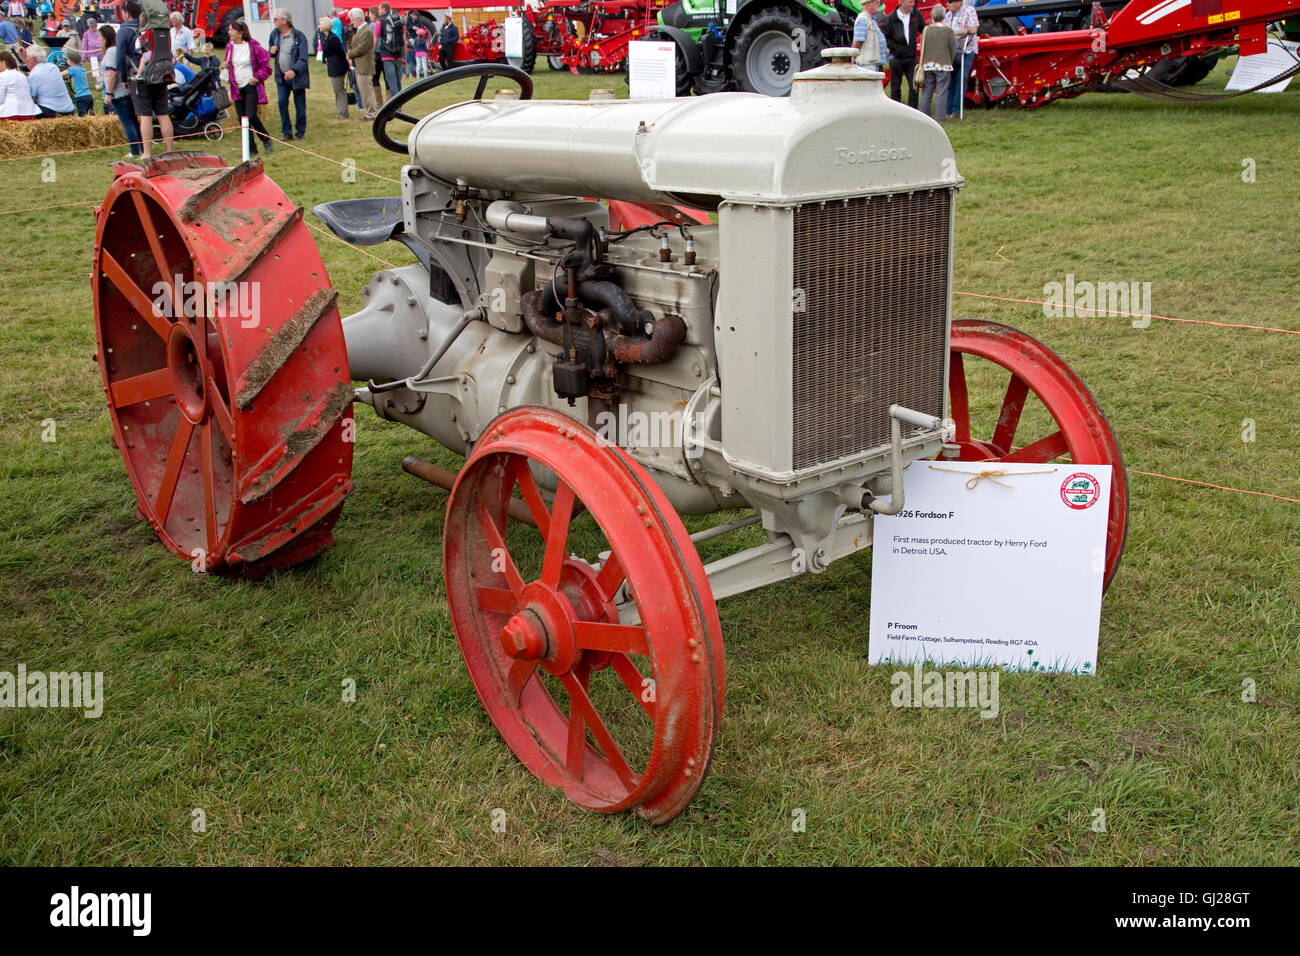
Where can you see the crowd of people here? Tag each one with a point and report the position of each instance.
(936, 58)
(366, 55)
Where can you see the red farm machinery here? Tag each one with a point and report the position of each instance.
(1122, 48)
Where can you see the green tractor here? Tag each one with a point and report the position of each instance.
(752, 45)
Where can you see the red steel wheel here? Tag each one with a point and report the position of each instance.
(223, 362)
(1082, 435)
(540, 632)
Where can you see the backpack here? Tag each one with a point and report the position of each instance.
(393, 35)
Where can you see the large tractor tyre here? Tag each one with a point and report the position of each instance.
(556, 63)
(999, 28)
(768, 55)
(529, 60)
(223, 362)
(1182, 70)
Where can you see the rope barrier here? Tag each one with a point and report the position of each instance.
(1133, 315)
(65, 205)
(326, 232)
(328, 159)
(1206, 484)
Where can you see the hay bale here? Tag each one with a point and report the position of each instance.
(44, 136)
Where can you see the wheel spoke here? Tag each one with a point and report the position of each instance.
(521, 672)
(603, 636)
(611, 576)
(631, 676)
(958, 401)
(482, 86)
(220, 413)
(1043, 450)
(497, 601)
(499, 549)
(557, 535)
(134, 294)
(209, 488)
(142, 388)
(165, 273)
(576, 747)
(1012, 405)
(579, 701)
(406, 118)
(532, 497)
(162, 505)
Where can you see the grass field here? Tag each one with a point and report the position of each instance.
(225, 695)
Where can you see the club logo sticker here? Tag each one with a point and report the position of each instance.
(1081, 490)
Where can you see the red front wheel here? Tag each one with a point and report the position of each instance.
(1039, 410)
(619, 712)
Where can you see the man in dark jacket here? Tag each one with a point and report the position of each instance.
(448, 37)
(902, 28)
(290, 53)
(336, 64)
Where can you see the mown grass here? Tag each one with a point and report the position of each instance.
(225, 695)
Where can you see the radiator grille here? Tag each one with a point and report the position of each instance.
(874, 277)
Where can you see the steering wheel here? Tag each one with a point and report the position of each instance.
(391, 110)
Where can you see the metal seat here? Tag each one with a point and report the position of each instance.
(363, 222)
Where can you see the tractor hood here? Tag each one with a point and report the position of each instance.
(837, 134)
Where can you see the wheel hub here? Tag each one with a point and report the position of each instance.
(525, 636)
(188, 371)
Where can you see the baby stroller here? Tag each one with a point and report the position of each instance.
(198, 104)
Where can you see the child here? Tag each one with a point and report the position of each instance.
(76, 75)
(421, 52)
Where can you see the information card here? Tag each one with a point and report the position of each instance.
(992, 564)
(651, 70)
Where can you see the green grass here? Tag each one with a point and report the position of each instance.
(225, 695)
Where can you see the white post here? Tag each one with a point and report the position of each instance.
(243, 135)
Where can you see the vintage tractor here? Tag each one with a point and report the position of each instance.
(600, 379)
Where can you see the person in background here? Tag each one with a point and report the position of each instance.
(448, 37)
(336, 26)
(15, 96)
(336, 65)
(16, 10)
(421, 52)
(372, 24)
(115, 90)
(182, 36)
(248, 66)
(92, 47)
(361, 52)
(902, 28)
(76, 75)
(46, 84)
(154, 71)
(965, 24)
(25, 32)
(412, 24)
(290, 54)
(8, 34)
(391, 37)
(869, 39)
(938, 45)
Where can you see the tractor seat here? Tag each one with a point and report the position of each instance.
(363, 222)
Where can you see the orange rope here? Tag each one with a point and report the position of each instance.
(96, 149)
(1132, 315)
(65, 205)
(1206, 484)
(326, 232)
(303, 149)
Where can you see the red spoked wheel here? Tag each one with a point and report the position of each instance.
(223, 362)
(1064, 422)
(620, 715)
